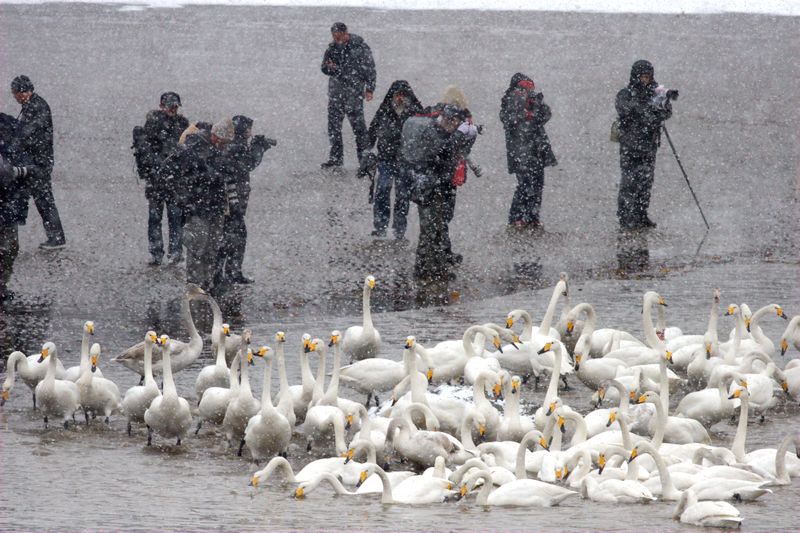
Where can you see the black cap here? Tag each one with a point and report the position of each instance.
(241, 124)
(170, 99)
(339, 27)
(21, 84)
(453, 112)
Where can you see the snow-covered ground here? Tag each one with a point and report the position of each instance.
(764, 7)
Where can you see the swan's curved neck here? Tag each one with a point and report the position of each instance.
(479, 391)
(16, 358)
(166, 374)
(468, 339)
(236, 370)
(663, 383)
(282, 370)
(195, 340)
(511, 407)
(552, 388)
(422, 409)
(279, 463)
(780, 458)
(547, 320)
(668, 490)
(221, 362)
(519, 466)
(319, 384)
(661, 423)
(755, 330)
(527, 324)
(737, 447)
(650, 334)
(738, 333)
(52, 366)
(581, 459)
(84, 351)
(466, 434)
(244, 381)
(332, 480)
(266, 391)
(623, 427)
(338, 434)
(486, 488)
(591, 318)
(306, 374)
(365, 307)
(332, 394)
(581, 431)
(386, 496)
(713, 318)
(363, 445)
(148, 364)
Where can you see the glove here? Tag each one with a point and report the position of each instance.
(468, 129)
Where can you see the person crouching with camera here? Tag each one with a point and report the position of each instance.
(642, 107)
(244, 153)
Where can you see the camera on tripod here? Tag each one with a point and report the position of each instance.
(663, 97)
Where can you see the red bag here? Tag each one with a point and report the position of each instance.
(460, 175)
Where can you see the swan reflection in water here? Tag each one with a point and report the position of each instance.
(633, 253)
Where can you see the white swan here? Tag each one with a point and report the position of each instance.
(414, 490)
(216, 375)
(74, 372)
(790, 334)
(267, 433)
(229, 340)
(707, 513)
(285, 402)
(214, 403)
(615, 491)
(323, 421)
(184, 354)
(31, 369)
(540, 417)
(449, 357)
(371, 376)
(349, 408)
(302, 394)
(522, 492)
(276, 463)
(57, 397)
(169, 414)
(513, 426)
(419, 446)
(673, 429)
(707, 406)
(138, 398)
(592, 372)
(308, 486)
(243, 406)
(99, 395)
(363, 342)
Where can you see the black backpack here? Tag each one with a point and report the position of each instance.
(141, 151)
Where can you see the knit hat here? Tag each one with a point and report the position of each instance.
(170, 99)
(223, 130)
(339, 27)
(21, 84)
(241, 124)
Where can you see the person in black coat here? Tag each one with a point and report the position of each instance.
(350, 67)
(641, 113)
(385, 130)
(32, 146)
(162, 129)
(13, 213)
(245, 155)
(524, 114)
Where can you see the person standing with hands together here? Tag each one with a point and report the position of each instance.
(350, 67)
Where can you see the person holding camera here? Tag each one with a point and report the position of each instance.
(162, 130)
(433, 147)
(642, 107)
(13, 213)
(528, 151)
(399, 104)
(245, 153)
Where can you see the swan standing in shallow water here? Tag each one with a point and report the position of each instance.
(414, 490)
(98, 395)
(363, 342)
(183, 354)
(57, 397)
(216, 375)
(268, 433)
(31, 369)
(243, 406)
(169, 414)
(137, 399)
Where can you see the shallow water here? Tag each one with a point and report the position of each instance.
(309, 246)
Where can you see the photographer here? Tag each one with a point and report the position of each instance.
(524, 114)
(13, 213)
(244, 155)
(642, 107)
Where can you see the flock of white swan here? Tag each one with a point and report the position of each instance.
(634, 451)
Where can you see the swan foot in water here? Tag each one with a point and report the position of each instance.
(34, 400)
(564, 380)
(241, 447)
(141, 381)
(66, 424)
(179, 442)
(308, 445)
(108, 422)
(369, 399)
(45, 421)
(199, 425)
(461, 381)
(284, 454)
(149, 436)
(762, 419)
(129, 428)
(86, 416)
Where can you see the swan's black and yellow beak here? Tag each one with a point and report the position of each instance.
(45, 353)
(578, 358)
(551, 408)
(747, 323)
(730, 311)
(371, 282)
(348, 456)
(559, 474)
(708, 350)
(642, 398)
(250, 357)
(570, 327)
(3, 397)
(497, 344)
(254, 481)
(784, 346)
(362, 477)
(661, 301)
(785, 386)
(668, 355)
(226, 330)
(546, 348)
(601, 463)
(394, 401)
(612, 417)
(429, 375)
(509, 322)
(348, 422)
(462, 492)
(632, 395)
(334, 339)
(566, 473)
(497, 389)
(90, 328)
(299, 493)
(514, 386)
(634, 454)
(409, 343)
(544, 444)
(562, 424)
(94, 363)
(280, 337)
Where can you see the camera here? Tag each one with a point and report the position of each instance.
(663, 97)
(264, 142)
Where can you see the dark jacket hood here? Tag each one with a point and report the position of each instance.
(400, 86)
(241, 124)
(641, 67)
(516, 78)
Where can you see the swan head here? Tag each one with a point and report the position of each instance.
(306, 339)
(739, 394)
(779, 311)
(634, 454)
(784, 346)
(554, 405)
(315, 345)
(497, 343)
(193, 290)
(654, 298)
(348, 455)
(254, 480)
(648, 396)
(150, 337)
(516, 384)
(88, 327)
(732, 310)
(46, 349)
(362, 477)
(509, 321)
(370, 282)
(94, 354)
(578, 357)
(280, 337)
(336, 336)
(546, 348)
(410, 342)
(163, 340)
(226, 330)
(299, 493)
(263, 351)
(612, 417)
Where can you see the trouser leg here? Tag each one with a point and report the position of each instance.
(635, 187)
(402, 202)
(521, 199)
(335, 119)
(648, 172)
(155, 209)
(355, 115)
(175, 221)
(236, 237)
(536, 189)
(381, 203)
(9, 249)
(448, 212)
(42, 192)
(431, 261)
(202, 249)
